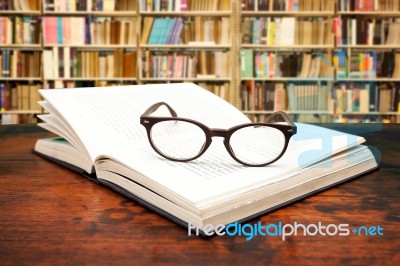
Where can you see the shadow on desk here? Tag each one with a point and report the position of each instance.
(50, 215)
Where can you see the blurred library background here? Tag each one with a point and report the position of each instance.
(319, 61)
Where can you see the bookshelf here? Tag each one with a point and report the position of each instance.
(367, 38)
(20, 60)
(361, 90)
(187, 41)
(285, 55)
(89, 43)
(315, 57)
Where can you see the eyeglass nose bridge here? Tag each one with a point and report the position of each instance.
(216, 132)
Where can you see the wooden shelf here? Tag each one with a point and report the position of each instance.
(21, 46)
(186, 79)
(320, 112)
(367, 79)
(285, 47)
(289, 13)
(369, 113)
(92, 79)
(21, 112)
(20, 79)
(325, 79)
(92, 46)
(186, 13)
(184, 46)
(371, 13)
(289, 79)
(132, 13)
(288, 112)
(22, 13)
(366, 46)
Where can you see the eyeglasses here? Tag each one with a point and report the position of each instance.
(182, 140)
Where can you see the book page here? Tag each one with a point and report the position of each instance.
(107, 120)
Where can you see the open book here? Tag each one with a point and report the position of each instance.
(101, 135)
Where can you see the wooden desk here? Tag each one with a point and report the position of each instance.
(49, 215)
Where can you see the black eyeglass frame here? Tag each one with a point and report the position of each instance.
(149, 121)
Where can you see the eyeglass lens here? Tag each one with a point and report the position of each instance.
(178, 139)
(257, 145)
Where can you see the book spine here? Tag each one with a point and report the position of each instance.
(2, 97)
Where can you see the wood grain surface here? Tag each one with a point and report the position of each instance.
(52, 216)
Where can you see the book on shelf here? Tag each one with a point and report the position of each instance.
(263, 96)
(184, 5)
(67, 6)
(220, 89)
(366, 31)
(189, 64)
(365, 97)
(287, 28)
(389, 97)
(308, 96)
(20, 64)
(11, 119)
(19, 30)
(396, 69)
(90, 5)
(366, 64)
(191, 30)
(108, 5)
(294, 5)
(214, 189)
(65, 83)
(163, 30)
(246, 63)
(292, 96)
(363, 65)
(280, 97)
(285, 64)
(369, 5)
(20, 5)
(286, 31)
(339, 60)
(66, 62)
(23, 97)
(89, 30)
(393, 33)
(4, 97)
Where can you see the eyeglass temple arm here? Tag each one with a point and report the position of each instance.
(155, 106)
(283, 115)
